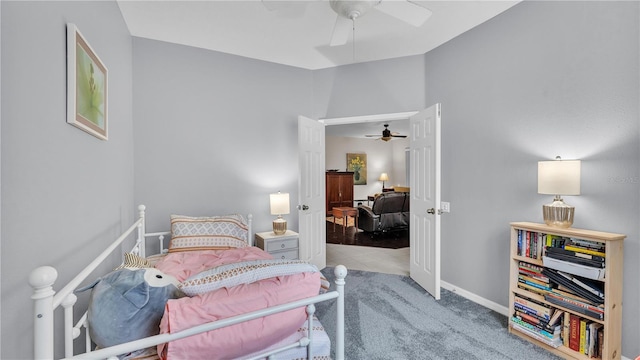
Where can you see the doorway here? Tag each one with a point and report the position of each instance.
(424, 183)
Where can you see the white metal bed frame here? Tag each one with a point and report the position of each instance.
(46, 301)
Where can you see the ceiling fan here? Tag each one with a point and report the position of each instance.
(387, 134)
(349, 10)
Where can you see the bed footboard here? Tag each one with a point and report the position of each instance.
(43, 278)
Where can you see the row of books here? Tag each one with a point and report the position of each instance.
(530, 243)
(556, 327)
(582, 335)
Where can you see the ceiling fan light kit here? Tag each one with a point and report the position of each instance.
(387, 134)
(352, 9)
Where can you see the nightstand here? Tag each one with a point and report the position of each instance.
(283, 246)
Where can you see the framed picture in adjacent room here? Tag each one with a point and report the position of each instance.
(86, 86)
(358, 164)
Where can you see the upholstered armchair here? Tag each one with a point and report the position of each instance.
(389, 211)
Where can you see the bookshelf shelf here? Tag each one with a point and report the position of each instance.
(611, 323)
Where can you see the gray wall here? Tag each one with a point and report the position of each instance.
(215, 133)
(540, 80)
(65, 194)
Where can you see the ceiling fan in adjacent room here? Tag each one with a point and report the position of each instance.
(387, 134)
(349, 10)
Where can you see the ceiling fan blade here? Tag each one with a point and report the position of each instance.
(400, 136)
(341, 31)
(406, 11)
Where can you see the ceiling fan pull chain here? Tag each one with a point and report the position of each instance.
(353, 21)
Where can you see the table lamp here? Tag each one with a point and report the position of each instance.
(383, 177)
(558, 177)
(279, 206)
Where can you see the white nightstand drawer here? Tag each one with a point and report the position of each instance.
(288, 254)
(281, 244)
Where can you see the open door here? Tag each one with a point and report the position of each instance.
(311, 189)
(424, 232)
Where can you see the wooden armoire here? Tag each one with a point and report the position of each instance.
(339, 189)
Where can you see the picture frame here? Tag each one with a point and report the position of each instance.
(87, 89)
(358, 164)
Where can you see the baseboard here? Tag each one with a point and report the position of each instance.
(475, 298)
(482, 301)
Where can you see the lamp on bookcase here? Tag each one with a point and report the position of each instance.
(558, 177)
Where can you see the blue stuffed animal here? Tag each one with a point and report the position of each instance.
(128, 304)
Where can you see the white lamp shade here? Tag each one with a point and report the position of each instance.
(384, 177)
(559, 177)
(279, 203)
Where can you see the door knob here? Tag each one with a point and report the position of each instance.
(431, 211)
(303, 207)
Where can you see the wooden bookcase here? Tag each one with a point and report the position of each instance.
(612, 322)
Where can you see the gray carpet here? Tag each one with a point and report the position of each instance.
(391, 317)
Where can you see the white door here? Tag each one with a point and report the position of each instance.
(424, 232)
(311, 189)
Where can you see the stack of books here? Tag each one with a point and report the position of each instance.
(537, 320)
(578, 294)
(530, 278)
(577, 256)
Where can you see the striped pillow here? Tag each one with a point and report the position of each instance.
(134, 261)
(208, 233)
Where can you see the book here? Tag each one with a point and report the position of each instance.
(556, 318)
(584, 250)
(566, 293)
(555, 343)
(586, 284)
(594, 328)
(589, 244)
(600, 343)
(574, 332)
(534, 329)
(542, 310)
(581, 255)
(544, 287)
(574, 307)
(583, 336)
(524, 309)
(534, 279)
(539, 323)
(566, 326)
(532, 289)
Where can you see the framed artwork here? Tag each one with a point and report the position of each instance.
(358, 164)
(86, 86)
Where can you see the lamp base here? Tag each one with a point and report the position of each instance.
(558, 214)
(279, 226)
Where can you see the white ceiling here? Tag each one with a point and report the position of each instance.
(297, 33)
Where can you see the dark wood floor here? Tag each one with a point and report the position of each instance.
(391, 240)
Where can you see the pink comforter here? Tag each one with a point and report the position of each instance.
(237, 340)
